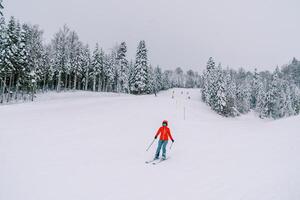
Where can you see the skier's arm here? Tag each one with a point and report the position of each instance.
(158, 132)
(169, 133)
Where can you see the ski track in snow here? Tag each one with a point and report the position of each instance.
(84, 145)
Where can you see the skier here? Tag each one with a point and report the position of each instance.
(165, 134)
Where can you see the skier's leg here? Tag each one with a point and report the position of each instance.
(164, 145)
(160, 142)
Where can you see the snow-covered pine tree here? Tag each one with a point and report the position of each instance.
(14, 57)
(254, 89)
(97, 65)
(130, 75)
(217, 93)
(276, 96)
(151, 85)
(78, 68)
(141, 76)
(166, 79)
(74, 51)
(61, 55)
(295, 71)
(104, 63)
(34, 55)
(262, 100)
(230, 86)
(287, 107)
(25, 77)
(158, 80)
(123, 68)
(3, 67)
(115, 69)
(86, 67)
(211, 65)
(8, 57)
(243, 95)
(214, 84)
(109, 71)
(295, 91)
(207, 78)
(204, 88)
(45, 71)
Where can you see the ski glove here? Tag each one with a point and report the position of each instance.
(155, 137)
(172, 140)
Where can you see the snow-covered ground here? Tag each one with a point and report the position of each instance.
(91, 146)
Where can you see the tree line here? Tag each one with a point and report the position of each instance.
(270, 94)
(28, 66)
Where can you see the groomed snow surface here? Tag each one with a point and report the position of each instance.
(91, 146)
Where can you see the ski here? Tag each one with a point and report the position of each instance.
(159, 161)
(151, 161)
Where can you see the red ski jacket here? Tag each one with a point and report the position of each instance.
(164, 132)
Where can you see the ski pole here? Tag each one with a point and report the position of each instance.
(150, 144)
(171, 145)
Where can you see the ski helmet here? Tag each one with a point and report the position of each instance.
(165, 122)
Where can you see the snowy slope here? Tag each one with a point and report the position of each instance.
(83, 145)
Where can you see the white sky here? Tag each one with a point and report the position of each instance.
(178, 33)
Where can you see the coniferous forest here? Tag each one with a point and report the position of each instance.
(29, 66)
(270, 94)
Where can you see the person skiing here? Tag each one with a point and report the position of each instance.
(165, 134)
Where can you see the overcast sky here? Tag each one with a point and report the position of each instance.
(178, 33)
